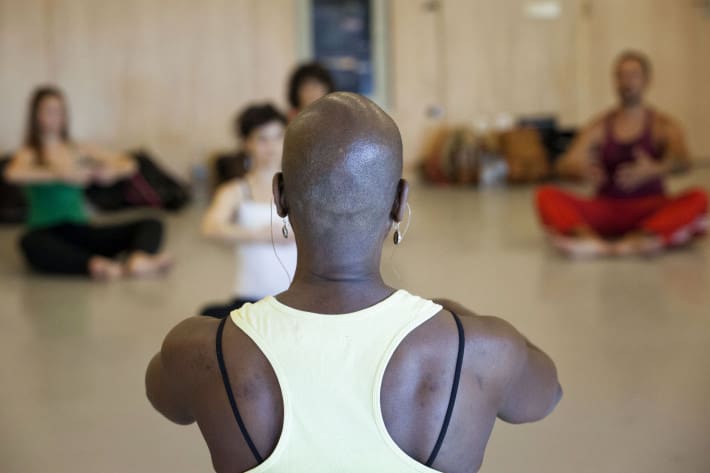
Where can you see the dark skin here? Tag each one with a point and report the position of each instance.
(503, 375)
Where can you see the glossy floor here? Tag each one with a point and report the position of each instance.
(631, 339)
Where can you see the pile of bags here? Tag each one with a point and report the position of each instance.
(526, 153)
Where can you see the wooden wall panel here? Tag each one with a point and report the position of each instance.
(168, 75)
(481, 58)
(477, 59)
(675, 35)
(23, 57)
(501, 61)
(415, 81)
(491, 58)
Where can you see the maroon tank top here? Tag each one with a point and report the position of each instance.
(614, 153)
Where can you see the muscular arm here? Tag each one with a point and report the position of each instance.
(219, 224)
(574, 164)
(162, 395)
(525, 376)
(533, 390)
(172, 374)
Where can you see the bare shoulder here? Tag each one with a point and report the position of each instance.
(598, 121)
(230, 191)
(666, 122)
(480, 325)
(23, 154)
(495, 343)
(190, 346)
(663, 117)
(228, 195)
(588, 136)
(232, 186)
(595, 128)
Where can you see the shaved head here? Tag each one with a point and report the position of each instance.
(342, 165)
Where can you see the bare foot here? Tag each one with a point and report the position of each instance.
(104, 269)
(581, 247)
(141, 265)
(638, 244)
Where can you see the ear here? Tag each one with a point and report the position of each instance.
(400, 201)
(279, 197)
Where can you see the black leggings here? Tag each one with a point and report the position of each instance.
(67, 248)
(220, 311)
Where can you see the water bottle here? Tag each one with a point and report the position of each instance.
(199, 182)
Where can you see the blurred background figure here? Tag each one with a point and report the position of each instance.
(54, 170)
(308, 83)
(242, 213)
(626, 154)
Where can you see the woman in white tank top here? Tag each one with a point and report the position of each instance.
(242, 213)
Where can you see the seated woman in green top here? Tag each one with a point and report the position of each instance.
(54, 171)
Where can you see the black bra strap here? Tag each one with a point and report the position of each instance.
(230, 394)
(454, 391)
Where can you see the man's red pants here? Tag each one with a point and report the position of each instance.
(675, 219)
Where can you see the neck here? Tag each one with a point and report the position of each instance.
(339, 283)
(49, 139)
(265, 172)
(635, 108)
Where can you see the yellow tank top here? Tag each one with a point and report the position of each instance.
(330, 369)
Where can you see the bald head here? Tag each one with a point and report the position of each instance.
(342, 165)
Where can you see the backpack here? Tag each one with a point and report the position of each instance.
(527, 158)
(151, 186)
(556, 140)
(171, 193)
(228, 166)
(452, 156)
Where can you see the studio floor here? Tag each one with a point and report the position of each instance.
(631, 340)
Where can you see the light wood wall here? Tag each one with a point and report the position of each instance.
(477, 59)
(170, 74)
(480, 58)
(675, 35)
